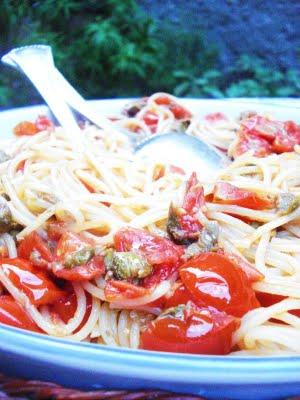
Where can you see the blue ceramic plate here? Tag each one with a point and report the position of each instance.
(90, 366)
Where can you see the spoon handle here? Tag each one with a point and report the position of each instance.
(36, 62)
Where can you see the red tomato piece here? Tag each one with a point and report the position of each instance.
(261, 126)
(163, 100)
(55, 230)
(215, 117)
(69, 244)
(37, 286)
(43, 123)
(216, 281)
(36, 250)
(92, 269)
(252, 273)
(226, 193)
(268, 299)
(176, 170)
(160, 274)
(247, 141)
(194, 195)
(183, 225)
(13, 314)
(121, 290)
(151, 120)
(157, 250)
(66, 306)
(179, 295)
(190, 330)
(178, 111)
(25, 128)
(287, 138)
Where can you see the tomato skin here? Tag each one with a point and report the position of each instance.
(93, 269)
(151, 120)
(34, 243)
(261, 126)
(247, 141)
(268, 299)
(215, 117)
(69, 243)
(43, 123)
(163, 100)
(179, 295)
(177, 110)
(160, 274)
(121, 290)
(25, 128)
(66, 306)
(287, 138)
(55, 230)
(13, 314)
(216, 281)
(226, 193)
(194, 195)
(252, 273)
(157, 250)
(200, 331)
(33, 282)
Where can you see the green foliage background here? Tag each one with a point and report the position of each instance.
(111, 48)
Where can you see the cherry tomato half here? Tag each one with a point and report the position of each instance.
(190, 329)
(25, 128)
(252, 273)
(92, 269)
(121, 290)
(287, 138)
(247, 141)
(33, 282)
(69, 245)
(13, 314)
(178, 111)
(216, 281)
(36, 250)
(225, 193)
(157, 250)
(43, 123)
(66, 306)
(268, 299)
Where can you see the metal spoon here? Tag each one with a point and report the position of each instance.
(179, 149)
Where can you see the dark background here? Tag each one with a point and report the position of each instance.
(121, 48)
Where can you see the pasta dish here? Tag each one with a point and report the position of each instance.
(98, 245)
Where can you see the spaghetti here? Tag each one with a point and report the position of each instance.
(101, 246)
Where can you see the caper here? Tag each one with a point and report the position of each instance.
(79, 257)
(127, 265)
(287, 203)
(6, 220)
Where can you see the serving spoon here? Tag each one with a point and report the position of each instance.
(177, 148)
